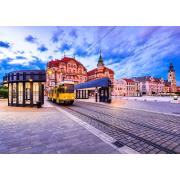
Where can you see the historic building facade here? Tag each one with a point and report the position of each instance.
(101, 71)
(154, 86)
(172, 78)
(65, 69)
(71, 69)
(178, 89)
(125, 87)
(150, 85)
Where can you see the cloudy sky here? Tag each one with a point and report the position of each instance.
(129, 51)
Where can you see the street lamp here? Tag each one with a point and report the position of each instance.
(50, 71)
(62, 72)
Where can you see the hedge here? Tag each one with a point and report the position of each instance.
(3, 92)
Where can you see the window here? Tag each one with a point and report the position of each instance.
(20, 93)
(66, 88)
(14, 93)
(10, 91)
(35, 92)
(27, 93)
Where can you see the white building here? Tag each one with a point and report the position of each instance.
(125, 87)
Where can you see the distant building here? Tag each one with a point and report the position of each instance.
(125, 87)
(167, 86)
(154, 86)
(150, 85)
(101, 71)
(178, 88)
(172, 78)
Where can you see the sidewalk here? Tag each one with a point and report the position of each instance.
(147, 98)
(50, 131)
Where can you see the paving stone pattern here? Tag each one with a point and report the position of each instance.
(145, 132)
(46, 132)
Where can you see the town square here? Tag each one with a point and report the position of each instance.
(105, 97)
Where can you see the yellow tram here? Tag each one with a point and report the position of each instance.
(62, 94)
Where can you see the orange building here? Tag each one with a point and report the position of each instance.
(65, 69)
(101, 71)
(71, 69)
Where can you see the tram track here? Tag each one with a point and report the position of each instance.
(125, 109)
(117, 129)
(135, 123)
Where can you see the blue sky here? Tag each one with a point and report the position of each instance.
(129, 51)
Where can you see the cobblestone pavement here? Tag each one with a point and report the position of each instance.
(46, 131)
(145, 132)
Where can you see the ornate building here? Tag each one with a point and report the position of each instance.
(153, 86)
(172, 78)
(125, 87)
(70, 69)
(150, 85)
(101, 71)
(65, 69)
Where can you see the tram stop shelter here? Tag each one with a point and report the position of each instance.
(99, 88)
(25, 87)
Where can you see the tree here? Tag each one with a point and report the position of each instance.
(4, 92)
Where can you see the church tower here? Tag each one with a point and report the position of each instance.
(100, 64)
(172, 78)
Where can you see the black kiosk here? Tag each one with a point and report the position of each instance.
(25, 87)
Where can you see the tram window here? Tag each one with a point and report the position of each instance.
(61, 89)
(66, 88)
(69, 88)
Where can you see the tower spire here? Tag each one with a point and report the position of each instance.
(171, 68)
(100, 54)
(100, 61)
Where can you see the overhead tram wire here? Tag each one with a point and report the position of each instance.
(105, 35)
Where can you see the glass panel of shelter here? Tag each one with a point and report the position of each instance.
(14, 93)
(10, 93)
(20, 93)
(27, 93)
(35, 92)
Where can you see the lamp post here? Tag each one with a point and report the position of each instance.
(62, 73)
(50, 71)
(55, 78)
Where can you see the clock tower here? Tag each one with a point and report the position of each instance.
(172, 78)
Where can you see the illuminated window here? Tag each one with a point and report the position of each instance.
(20, 93)
(27, 93)
(35, 92)
(10, 91)
(14, 92)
